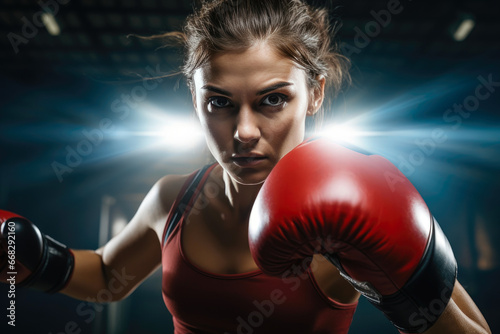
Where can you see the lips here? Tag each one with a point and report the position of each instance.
(248, 160)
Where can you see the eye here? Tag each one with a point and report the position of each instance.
(219, 102)
(274, 100)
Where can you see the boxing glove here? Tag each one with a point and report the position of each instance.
(31, 258)
(362, 214)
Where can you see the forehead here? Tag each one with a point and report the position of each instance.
(257, 64)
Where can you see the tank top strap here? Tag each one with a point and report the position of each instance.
(184, 199)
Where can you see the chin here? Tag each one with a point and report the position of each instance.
(250, 183)
(249, 177)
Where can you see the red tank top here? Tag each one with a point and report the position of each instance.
(252, 302)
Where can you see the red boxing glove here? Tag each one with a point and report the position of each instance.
(29, 258)
(363, 215)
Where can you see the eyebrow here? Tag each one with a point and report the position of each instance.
(262, 92)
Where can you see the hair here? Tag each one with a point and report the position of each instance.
(297, 31)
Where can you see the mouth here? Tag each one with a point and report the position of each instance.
(248, 161)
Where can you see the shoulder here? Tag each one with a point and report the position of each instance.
(156, 205)
(167, 189)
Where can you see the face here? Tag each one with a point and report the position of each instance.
(252, 106)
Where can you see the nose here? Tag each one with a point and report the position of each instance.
(247, 126)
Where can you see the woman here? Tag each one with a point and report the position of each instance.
(257, 70)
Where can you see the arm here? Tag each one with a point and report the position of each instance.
(129, 258)
(460, 316)
(117, 268)
(364, 216)
(120, 265)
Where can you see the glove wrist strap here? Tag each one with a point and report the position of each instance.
(55, 268)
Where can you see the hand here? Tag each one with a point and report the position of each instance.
(31, 258)
(324, 198)
(8, 259)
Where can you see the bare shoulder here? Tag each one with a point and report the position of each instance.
(168, 188)
(137, 248)
(159, 200)
(149, 220)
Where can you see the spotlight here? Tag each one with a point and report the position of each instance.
(51, 24)
(462, 27)
(343, 133)
(181, 134)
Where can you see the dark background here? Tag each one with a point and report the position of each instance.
(54, 89)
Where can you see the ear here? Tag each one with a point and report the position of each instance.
(317, 96)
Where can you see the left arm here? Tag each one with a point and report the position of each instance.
(365, 217)
(461, 315)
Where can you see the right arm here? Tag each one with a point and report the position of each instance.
(130, 257)
(119, 266)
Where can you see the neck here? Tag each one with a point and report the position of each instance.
(240, 196)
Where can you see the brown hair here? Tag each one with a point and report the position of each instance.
(297, 30)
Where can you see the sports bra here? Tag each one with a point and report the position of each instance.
(250, 302)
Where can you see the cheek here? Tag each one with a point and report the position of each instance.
(217, 134)
(289, 131)
(293, 118)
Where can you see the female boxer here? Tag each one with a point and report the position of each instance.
(256, 69)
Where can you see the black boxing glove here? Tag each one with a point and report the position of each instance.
(30, 257)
